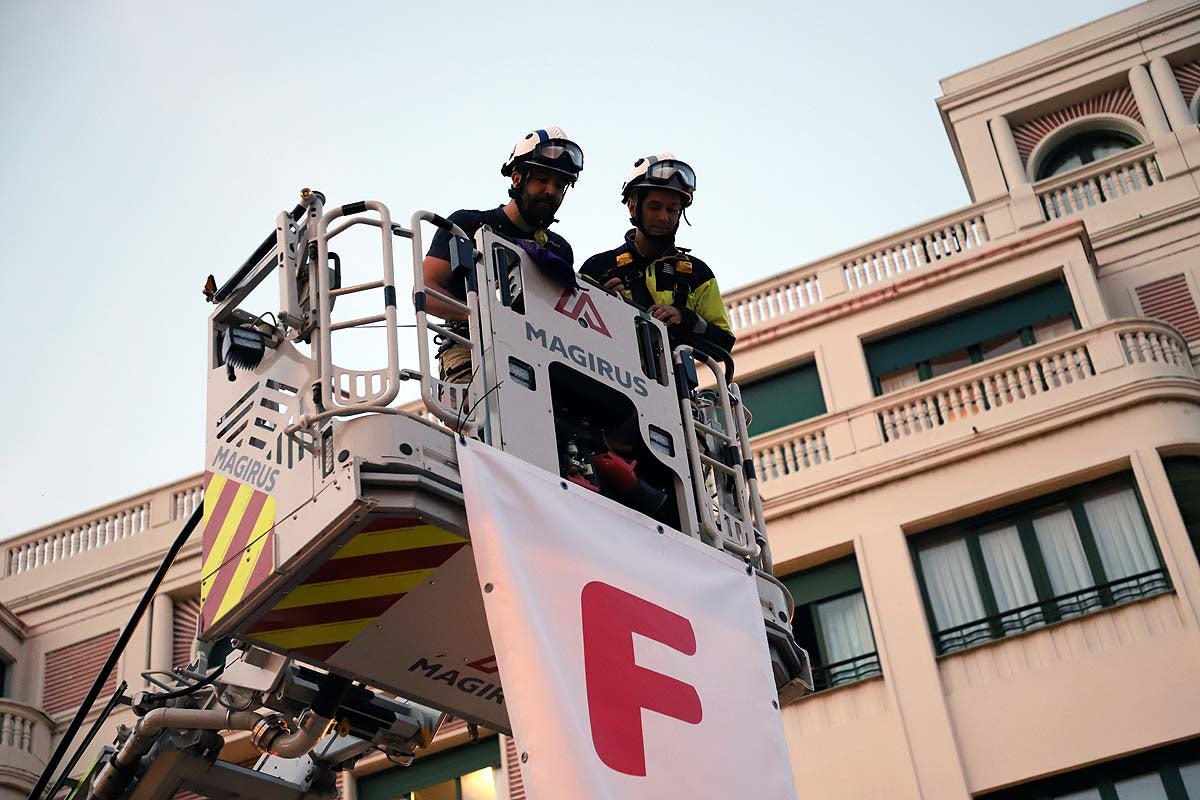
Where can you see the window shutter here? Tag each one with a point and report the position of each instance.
(971, 327)
(784, 398)
(512, 758)
(70, 671)
(187, 611)
(1170, 300)
(827, 580)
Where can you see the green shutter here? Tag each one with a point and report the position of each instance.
(827, 580)
(431, 770)
(1184, 474)
(784, 398)
(972, 327)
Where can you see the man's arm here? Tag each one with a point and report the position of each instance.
(711, 322)
(439, 276)
(597, 269)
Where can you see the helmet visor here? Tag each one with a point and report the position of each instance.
(561, 154)
(669, 172)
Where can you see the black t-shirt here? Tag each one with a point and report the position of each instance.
(471, 221)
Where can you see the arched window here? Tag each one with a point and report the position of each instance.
(1082, 149)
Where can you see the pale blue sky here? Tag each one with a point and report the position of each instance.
(145, 145)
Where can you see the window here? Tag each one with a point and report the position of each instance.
(784, 398)
(1169, 773)
(1082, 149)
(1184, 475)
(469, 772)
(949, 344)
(831, 623)
(1058, 557)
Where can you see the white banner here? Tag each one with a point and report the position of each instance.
(634, 663)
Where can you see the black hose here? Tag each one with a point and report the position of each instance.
(87, 740)
(118, 648)
(192, 689)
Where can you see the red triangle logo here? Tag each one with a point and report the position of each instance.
(578, 306)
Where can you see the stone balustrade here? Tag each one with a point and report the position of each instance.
(1104, 181)
(966, 399)
(25, 736)
(1009, 381)
(102, 528)
(800, 291)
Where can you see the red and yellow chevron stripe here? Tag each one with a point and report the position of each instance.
(238, 526)
(362, 580)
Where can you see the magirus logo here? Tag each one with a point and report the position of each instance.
(577, 305)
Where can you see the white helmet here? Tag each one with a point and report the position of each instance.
(547, 148)
(663, 171)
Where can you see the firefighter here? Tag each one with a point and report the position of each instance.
(648, 269)
(541, 167)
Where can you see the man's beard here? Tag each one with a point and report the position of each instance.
(537, 212)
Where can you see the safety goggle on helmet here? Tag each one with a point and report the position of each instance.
(663, 171)
(548, 148)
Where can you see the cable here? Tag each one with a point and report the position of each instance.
(118, 648)
(87, 740)
(193, 688)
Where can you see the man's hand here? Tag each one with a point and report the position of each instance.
(668, 315)
(614, 285)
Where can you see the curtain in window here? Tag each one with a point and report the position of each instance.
(1009, 574)
(845, 628)
(1086, 794)
(951, 584)
(1191, 778)
(1142, 787)
(1065, 561)
(1121, 535)
(847, 635)
(901, 379)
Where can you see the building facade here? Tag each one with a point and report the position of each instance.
(978, 441)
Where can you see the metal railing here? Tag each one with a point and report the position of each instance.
(850, 670)
(1054, 609)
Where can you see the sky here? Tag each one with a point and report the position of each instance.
(145, 145)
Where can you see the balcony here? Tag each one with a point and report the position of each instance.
(1106, 181)
(1027, 383)
(1107, 193)
(24, 743)
(912, 251)
(82, 538)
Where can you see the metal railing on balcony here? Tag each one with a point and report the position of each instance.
(850, 670)
(1054, 609)
(1102, 182)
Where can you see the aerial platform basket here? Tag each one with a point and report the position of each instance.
(334, 527)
